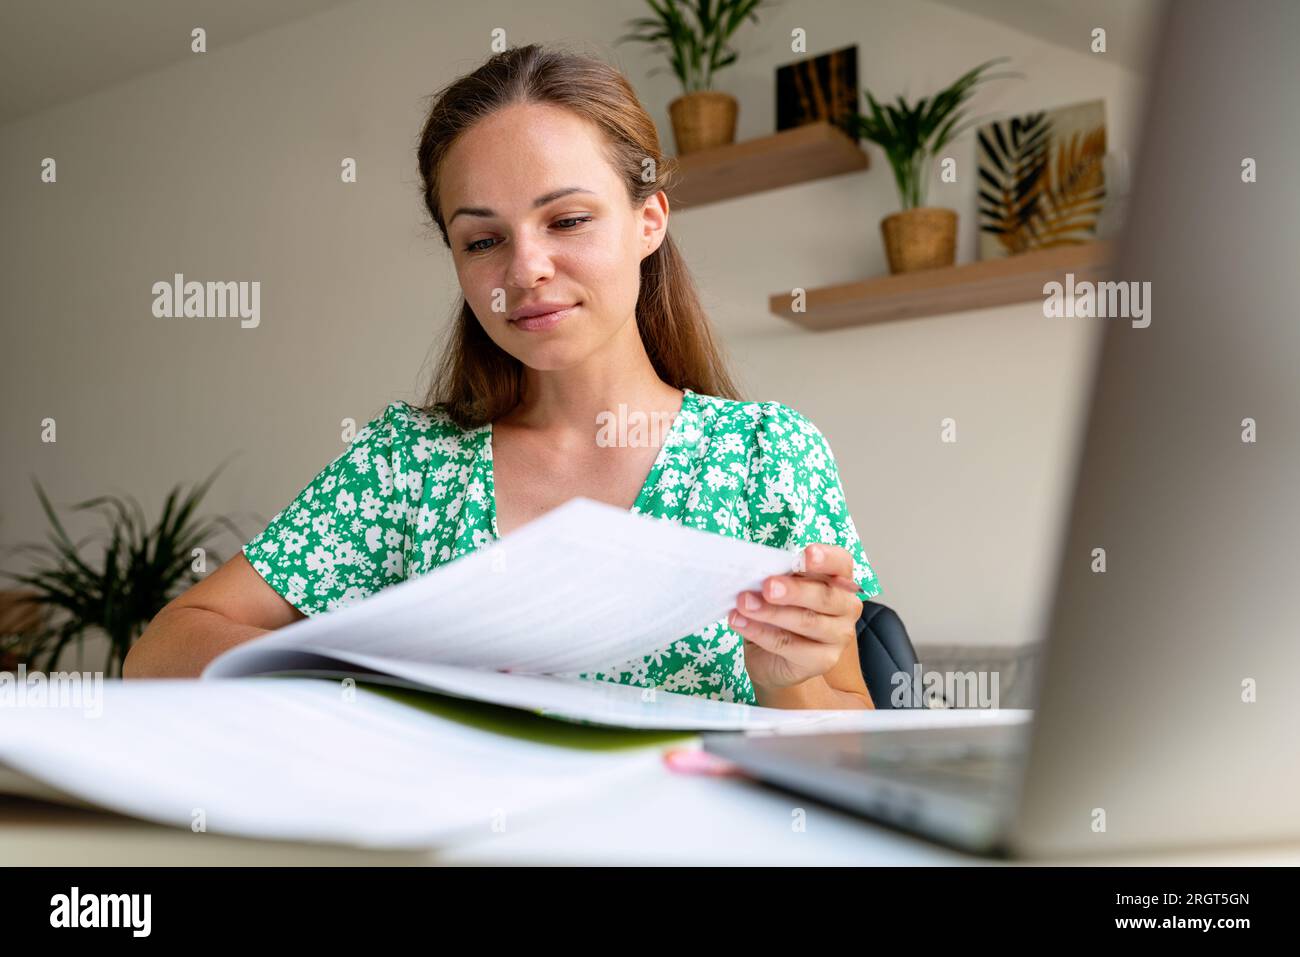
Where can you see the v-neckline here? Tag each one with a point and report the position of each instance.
(651, 478)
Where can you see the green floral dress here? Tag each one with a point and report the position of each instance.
(414, 491)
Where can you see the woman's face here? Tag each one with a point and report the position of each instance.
(516, 242)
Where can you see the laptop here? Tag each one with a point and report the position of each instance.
(1166, 712)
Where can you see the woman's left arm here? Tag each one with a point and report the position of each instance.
(800, 635)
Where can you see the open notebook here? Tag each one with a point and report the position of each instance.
(579, 590)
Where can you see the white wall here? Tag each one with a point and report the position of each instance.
(226, 167)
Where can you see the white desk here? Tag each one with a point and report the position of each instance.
(656, 818)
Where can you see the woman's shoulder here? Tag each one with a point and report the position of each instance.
(757, 420)
(426, 432)
(423, 419)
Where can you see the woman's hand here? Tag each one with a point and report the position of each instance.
(802, 622)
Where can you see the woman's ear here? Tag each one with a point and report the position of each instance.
(654, 222)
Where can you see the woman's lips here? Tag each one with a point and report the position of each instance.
(543, 322)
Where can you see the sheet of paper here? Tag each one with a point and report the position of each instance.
(583, 587)
(296, 759)
(826, 722)
(626, 706)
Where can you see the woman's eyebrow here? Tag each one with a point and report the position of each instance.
(538, 202)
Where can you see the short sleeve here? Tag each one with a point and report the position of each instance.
(344, 536)
(795, 495)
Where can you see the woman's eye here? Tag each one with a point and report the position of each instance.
(575, 219)
(475, 248)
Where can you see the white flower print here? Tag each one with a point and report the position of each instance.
(393, 564)
(686, 679)
(715, 478)
(726, 520)
(834, 499)
(426, 520)
(360, 456)
(319, 560)
(383, 472)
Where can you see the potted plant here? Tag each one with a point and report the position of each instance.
(141, 571)
(697, 47)
(920, 237)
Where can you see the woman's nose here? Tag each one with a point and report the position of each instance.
(530, 262)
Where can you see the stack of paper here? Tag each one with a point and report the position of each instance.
(301, 759)
(324, 761)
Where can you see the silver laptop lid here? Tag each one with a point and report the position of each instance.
(1169, 706)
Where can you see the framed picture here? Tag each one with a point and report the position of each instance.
(1042, 181)
(820, 88)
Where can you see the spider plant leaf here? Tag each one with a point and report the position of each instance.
(62, 543)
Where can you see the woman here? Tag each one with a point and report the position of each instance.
(543, 174)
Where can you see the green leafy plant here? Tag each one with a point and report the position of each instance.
(694, 36)
(142, 569)
(912, 135)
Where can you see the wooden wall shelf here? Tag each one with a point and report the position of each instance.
(932, 292)
(798, 155)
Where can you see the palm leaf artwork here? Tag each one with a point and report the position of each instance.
(1037, 188)
(1073, 198)
(1014, 164)
(142, 569)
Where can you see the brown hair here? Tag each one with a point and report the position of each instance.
(476, 379)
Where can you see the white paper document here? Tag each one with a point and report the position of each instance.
(628, 706)
(294, 759)
(582, 588)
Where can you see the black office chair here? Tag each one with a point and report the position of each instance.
(883, 650)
